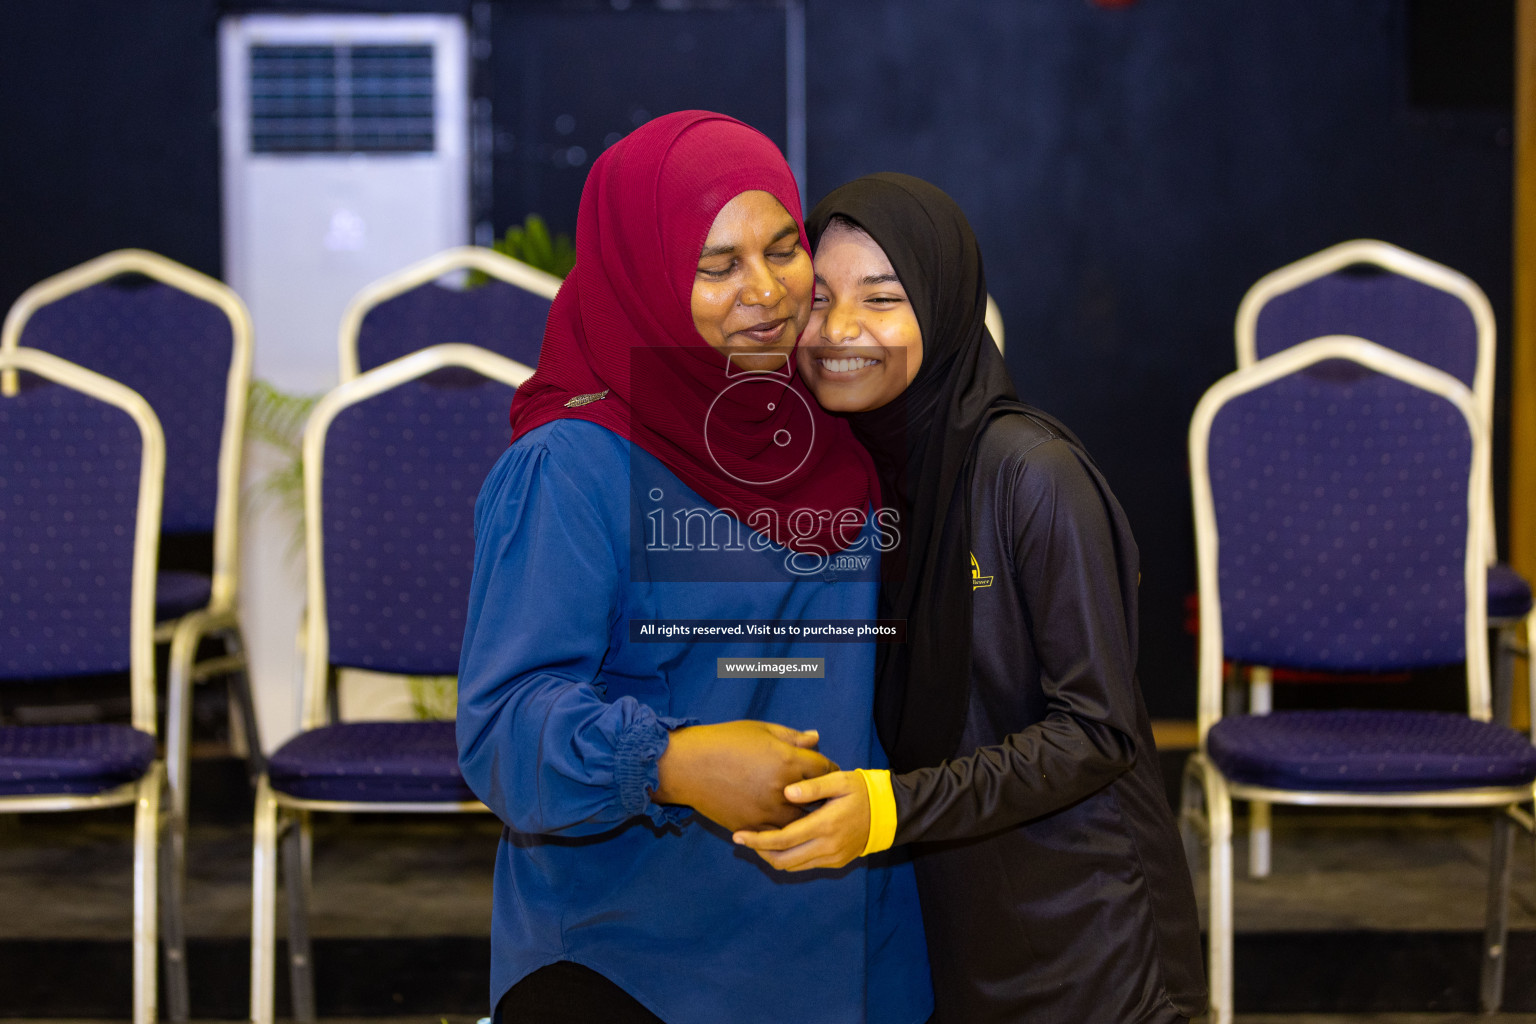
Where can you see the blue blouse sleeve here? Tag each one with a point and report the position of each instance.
(538, 743)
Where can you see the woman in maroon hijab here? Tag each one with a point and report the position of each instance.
(672, 500)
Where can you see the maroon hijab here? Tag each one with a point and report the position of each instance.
(620, 348)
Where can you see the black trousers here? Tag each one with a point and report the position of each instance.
(568, 993)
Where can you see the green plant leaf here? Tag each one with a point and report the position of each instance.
(433, 698)
(531, 243)
(539, 252)
(276, 419)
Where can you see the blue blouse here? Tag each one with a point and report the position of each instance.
(564, 708)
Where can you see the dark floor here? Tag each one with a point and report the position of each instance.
(1242, 1018)
(1374, 916)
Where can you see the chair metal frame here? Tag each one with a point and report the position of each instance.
(493, 264)
(464, 257)
(144, 793)
(278, 814)
(1202, 779)
(1513, 633)
(1387, 256)
(220, 617)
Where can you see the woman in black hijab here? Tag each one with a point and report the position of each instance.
(1053, 881)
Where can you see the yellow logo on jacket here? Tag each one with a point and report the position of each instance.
(977, 579)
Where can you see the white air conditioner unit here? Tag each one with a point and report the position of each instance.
(346, 157)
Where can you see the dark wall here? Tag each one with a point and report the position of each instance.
(1130, 171)
(607, 72)
(109, 135)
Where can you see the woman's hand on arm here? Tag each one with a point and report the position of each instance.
(735, 773)
(829, 837)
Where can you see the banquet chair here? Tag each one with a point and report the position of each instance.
(413, 308)
(1396, 298)
(183, 341)
(393, 463)
(81, 465)
(1339, 494)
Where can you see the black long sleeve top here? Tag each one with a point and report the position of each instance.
(1053, 881)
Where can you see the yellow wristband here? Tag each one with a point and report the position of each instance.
(882, 810)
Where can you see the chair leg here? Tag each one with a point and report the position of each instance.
(1194, 826)
(1218, 804)
(178, 728)
(263, 903)
(178, 708)
(1261, 701)
(1506, 639)
(172, 920)
(1496, 933)
(146, 833)
(1530, 670)
(296, 871)
(245, 708)
(1260, 836)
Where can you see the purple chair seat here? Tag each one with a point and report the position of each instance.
(178, 592)
(39, 760)
(1369, 751)
(1509, 595)
(371, 761)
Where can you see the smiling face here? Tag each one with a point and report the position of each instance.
(752, 288)
(863, 345)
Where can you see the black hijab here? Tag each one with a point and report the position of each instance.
(924, 446)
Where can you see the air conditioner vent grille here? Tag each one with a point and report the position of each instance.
(342, 99)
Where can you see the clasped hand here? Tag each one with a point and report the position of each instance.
(828, 837)
(735, 773)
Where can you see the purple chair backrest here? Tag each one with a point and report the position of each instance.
(175, 350)
(1341, 511)
(69, 488)
(496, 315)
(401, 473)
(1405, 315)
